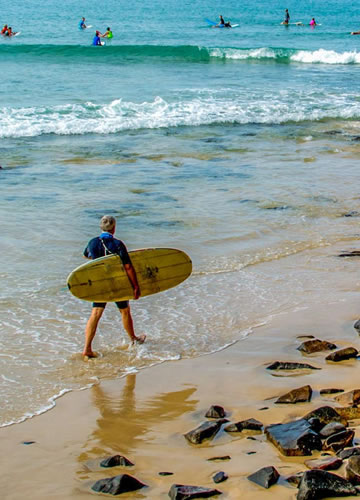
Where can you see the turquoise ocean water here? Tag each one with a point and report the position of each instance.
(239, 146)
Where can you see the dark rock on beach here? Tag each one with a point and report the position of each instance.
(205, 431)
(164, 473)
(342, 354)
(352, 470)
(352, 213)
(117, 484)
(316, 345)
(357, 325)
(185, 492)
(325, 414)
(316, 484)
(219, 477)
(351, 253)
(331, 390)
(289, 365)
(349, 412)
(295, 478)
(349, 398)
(219, 459)
(349, 452)
(215, 412)
(265, 477)
(300, 395)
(245, 425)
(28, 442)
(331, 428)
(296, 438)
(115, 461)
(339, 441)
(328, 463)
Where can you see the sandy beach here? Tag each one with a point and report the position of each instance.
(144, 416)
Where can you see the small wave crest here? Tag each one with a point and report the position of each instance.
(117, 54)
(120, 115)
(320, 56)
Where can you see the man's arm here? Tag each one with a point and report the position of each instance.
(130, 271)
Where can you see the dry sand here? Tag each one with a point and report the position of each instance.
(144, 416)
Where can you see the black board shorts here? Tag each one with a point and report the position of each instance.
(123, 304)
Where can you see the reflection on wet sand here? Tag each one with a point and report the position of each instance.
(125, 425)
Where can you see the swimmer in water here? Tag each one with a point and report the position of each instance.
(313, 22)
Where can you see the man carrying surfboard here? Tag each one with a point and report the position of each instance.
(106, 244)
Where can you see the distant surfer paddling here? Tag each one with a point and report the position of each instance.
(102, 245)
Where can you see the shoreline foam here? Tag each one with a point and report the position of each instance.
(145, 416)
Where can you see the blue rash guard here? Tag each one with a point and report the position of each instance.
(106, 244)
(96, 40)
(81, 24)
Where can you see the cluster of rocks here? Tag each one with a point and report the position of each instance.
(324, 430)
(316, 345)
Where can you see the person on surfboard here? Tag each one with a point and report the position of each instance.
(82, 25)
(286, 21)
(10, 32)
(4, 30)
(221, 22)
(106, 244)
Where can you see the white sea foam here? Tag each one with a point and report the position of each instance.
(120, 115)
(243, 54)
(320, 56)
(326, 57)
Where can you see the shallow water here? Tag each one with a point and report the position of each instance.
(240, 148)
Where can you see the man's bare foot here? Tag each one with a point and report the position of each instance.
(89, 355)
(139, 340)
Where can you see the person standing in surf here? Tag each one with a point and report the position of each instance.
(106, 244)
(286, 21)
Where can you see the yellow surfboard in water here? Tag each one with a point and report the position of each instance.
(105, 279)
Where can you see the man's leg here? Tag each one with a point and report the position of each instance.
(129, 325)
(90, 330)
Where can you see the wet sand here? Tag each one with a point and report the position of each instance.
(145, 415)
